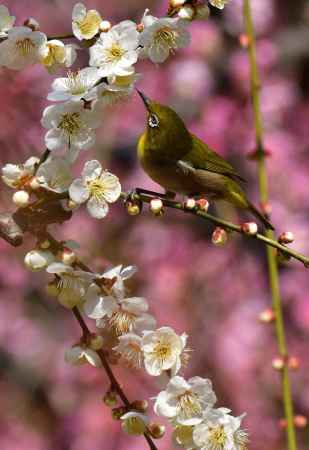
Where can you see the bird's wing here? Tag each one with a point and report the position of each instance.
(202, 157)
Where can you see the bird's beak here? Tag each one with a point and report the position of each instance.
(145, 99)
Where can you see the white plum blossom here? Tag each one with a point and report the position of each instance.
(134, 423)
(85, 24)
(54, 174)
(75, 86)
(22, 47)
(70, 124)
(185, 401)
(56, 54)
(118, 88)
(72, 284)
(97, 187)
(130, 349)
(81, 354)
(121, 316)
(163, 350)
(17, 176)
(6, 21)
(220, 4)
(220, 430)
(116, 51)
(119, 274)
(161, 37)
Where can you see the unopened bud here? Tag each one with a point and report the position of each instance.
(267, 316)
(67, 256)
(283, 423)
(117, 413)
(21, 199)
(293, 363)
(134, 207)
(286, 238)
(300, 421)
(105, 26)
(177, 3)
(203, 204)
(219, 237)
(249, 228)
(34, 183)
(186, 12)
(37, 260)
(190, 203)
(96, 342)
(44, 244)
(156, 206)
(134, 423)
(156, 430)
(140, 405)
(244, 40)
(52, 289)
(278, 363)
(202, 12)
(110, 399)
(266, 208)
(32, 23)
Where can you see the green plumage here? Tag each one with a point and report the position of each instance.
(181, 163)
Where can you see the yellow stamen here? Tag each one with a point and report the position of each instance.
(217, 438)
(25, 46)
(89, 26)
(70, 123)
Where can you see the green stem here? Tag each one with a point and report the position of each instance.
(271, 256)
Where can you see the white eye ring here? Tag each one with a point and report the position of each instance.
(153, 121)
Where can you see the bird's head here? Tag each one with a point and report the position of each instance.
(164, 127)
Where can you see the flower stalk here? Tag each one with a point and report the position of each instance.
(264, 197)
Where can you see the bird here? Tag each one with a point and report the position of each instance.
(182, 163)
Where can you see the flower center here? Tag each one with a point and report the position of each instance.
(115, 52)
(166, 37)
(162, 351)
(70, 123)
(96, 188)
(122, 322)
(90, 24)
(217, 438)
(25, 46)
(75, 83)
(189, 405)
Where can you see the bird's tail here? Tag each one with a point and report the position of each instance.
(260, 216)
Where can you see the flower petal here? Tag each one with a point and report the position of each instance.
(78, 191)
(97, 209)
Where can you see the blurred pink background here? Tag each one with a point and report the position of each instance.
(214, 294)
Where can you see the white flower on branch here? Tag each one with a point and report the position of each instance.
(185, 401)
(97, 187)
(134, 423)
(162, 37)
(130, 349)
(75, 86)
(220, 430)
(220, 4)
(6, 21)
(163, 350)
(22, 47)
(70, 124)
(18, 176)
(116, 51)
(85, 24)
(55, 174)
(81, 354)
(56, 54)
(118, 88)
(123, 316)
(72, 284)
(119, 274)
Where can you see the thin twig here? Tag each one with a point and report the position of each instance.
(271, 257)
(267, 240)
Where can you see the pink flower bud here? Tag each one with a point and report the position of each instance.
(244, 40)
(249, 228)
(190, 203)
(156, 206)
(266, 208)
(267, 316)
(293, 363)
(67, 256)
(300, 421)
(203, 204)
(283, 424)
(278, 363)
(219, 237)
(286, 238)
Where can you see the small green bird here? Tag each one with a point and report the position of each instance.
(181, 163)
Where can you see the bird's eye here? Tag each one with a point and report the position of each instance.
(153, 121)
